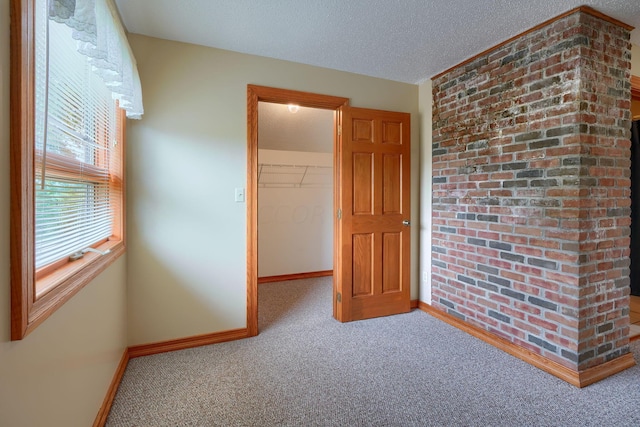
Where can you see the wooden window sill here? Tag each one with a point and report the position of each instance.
(68, 270)
(58, 287)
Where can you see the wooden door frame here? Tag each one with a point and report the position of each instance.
(635, 89)
(256, 94)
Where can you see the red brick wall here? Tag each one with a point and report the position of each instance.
(531, 158)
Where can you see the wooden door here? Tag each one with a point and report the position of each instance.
(373, 199)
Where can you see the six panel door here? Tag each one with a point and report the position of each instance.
(373, 233)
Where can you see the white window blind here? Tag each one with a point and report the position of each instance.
(75, 147)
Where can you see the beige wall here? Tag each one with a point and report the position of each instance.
(59, 374)
(426, 103)
(187, 252)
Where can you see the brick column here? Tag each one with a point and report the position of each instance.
(531, 191)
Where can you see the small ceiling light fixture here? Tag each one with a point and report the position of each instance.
(293, 108)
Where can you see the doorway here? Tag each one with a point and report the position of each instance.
(371, 194)
(295, 194)
(635, 187)
(256, 94)
(635, 209)
(634, 299)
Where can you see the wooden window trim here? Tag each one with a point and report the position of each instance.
(33, 301)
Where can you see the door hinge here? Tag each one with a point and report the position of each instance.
(339, 129)
(339, 297)
(339, 214)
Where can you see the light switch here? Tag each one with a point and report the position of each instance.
(239, 194)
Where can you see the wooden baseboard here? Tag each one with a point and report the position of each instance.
(577, 378)
(414, 303)
(155, 348)
(295, 276)
(600, 372)
(189, 342)
(103, 413)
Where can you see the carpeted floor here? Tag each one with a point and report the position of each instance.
(306, 369)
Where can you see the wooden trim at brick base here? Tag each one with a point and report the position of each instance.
(103, 413)
(577, 378)
(295, 276)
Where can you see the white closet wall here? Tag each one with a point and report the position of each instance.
(295, 206)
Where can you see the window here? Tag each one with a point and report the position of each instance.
(67, 164)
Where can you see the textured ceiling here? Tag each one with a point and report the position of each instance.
(402, 40)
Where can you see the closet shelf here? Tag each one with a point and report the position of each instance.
(294, 176)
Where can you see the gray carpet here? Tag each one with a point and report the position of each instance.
(306, 369)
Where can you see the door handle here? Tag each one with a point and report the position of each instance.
(406, 223)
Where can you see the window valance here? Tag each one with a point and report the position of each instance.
(101, 38)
